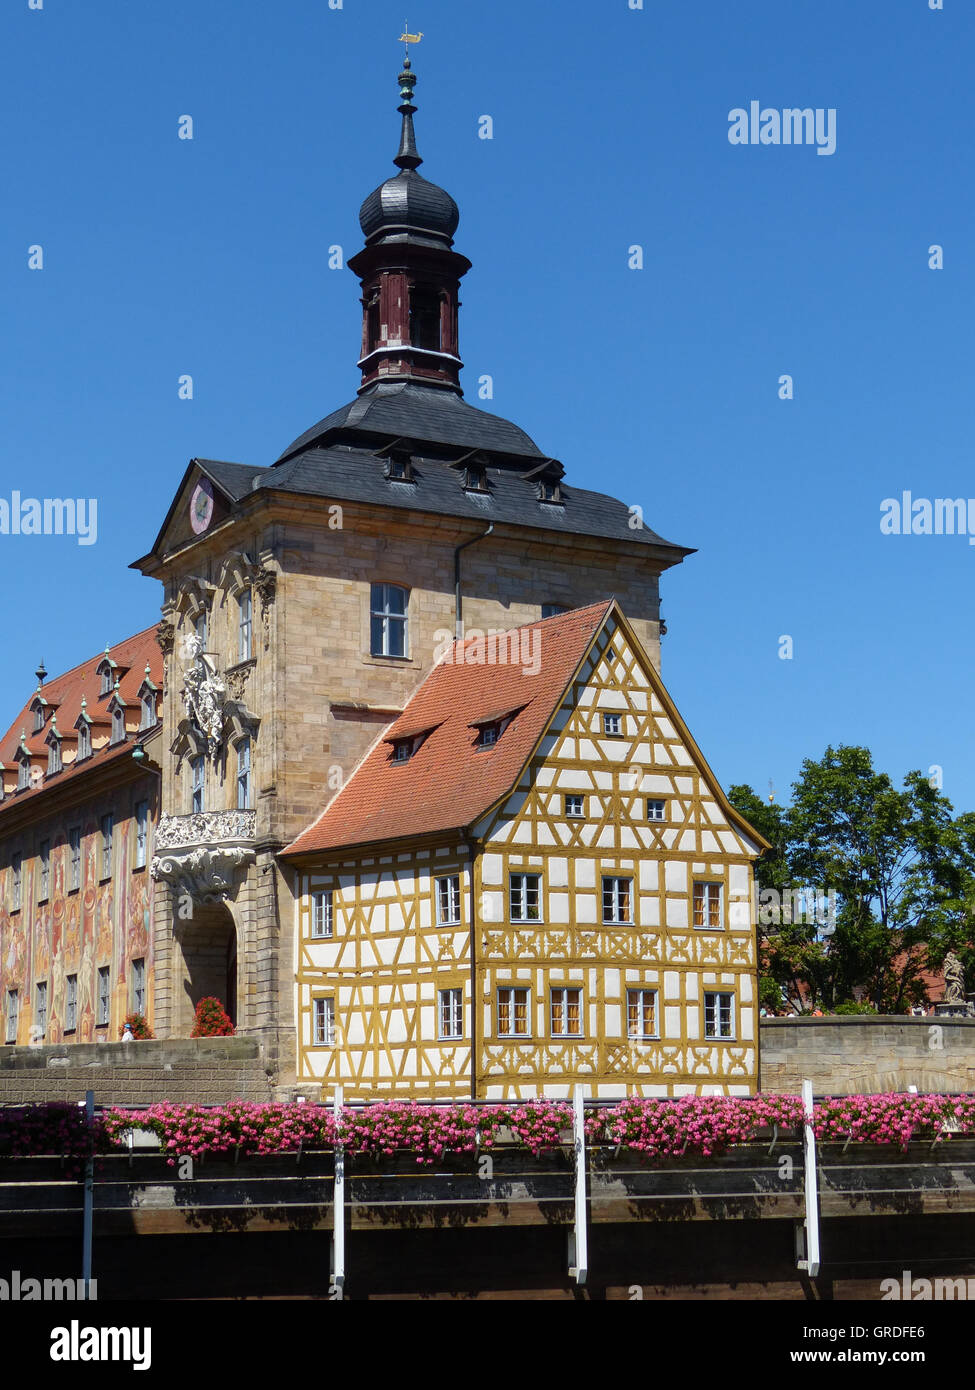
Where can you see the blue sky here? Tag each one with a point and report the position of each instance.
(165, 256)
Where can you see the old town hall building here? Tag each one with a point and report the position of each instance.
(413, 802)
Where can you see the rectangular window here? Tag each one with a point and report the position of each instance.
(388, 607)
(44, 856)
(524, 897)
(451, 1013)
(139, 986)
(552, 610)
(244, 626)
(141, 833)
(641, 1013)
(448, 901)
(200, 627)
(148, 711)
(707, 905)
(575, 806)
(719, 1015)
(104, 1004)
(198, 779)
(513, 1021)
(70, 1003)
(656, 810)
(613, 725)
(244, 775)
(16, 874)
(13, 1014)
(321, 914)
(617, 900)
(566, 1013)
(108, 824)
(324, 1022)
(74, 845)
(40, 1012)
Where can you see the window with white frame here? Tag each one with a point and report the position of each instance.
(617, 900)
(566, 1014)
(139, 986)
(197, 784)
(16, 886)
(44, 877)
(488, 735)
(70, 1003)
(451, 1013)
(575, 806)
(104, 995)
(613, 725)
(13, 1014)
(707, 905)
(388, 620)
(245, 604)
(641, 1013)
(321, 914)
(40, 1010)
(74, 855)
(525, 897)
(719, 1015)
(108, 826)
(656, 810)
(448, 900)
(244, 774)
(141, 833)
(402, 750)
(118, 725)
(513, 1012)
(323, 1022)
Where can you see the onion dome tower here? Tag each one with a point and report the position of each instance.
(409, 273)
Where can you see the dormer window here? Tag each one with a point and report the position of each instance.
(40, 714)
(399, 467)
(108, 678)
(148, 720)
(23, 775)
(53, 756)
(118, 725)
(492, 725)
(475, 478)
(488, 735)
(549, 490)
(405, 743)
(84, 740)
(402, 750)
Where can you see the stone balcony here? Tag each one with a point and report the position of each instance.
(200, 854)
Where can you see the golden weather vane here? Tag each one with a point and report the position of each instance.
(407, 38)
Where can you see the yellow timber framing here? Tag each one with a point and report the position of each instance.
(387, 992)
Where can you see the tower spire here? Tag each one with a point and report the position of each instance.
(407, 156)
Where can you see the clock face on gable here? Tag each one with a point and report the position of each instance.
(201, 506)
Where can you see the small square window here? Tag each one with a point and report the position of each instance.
(707, 906)
(719, 1015)
(575, 806)
(448, 901)
(656, 810)
(451, 1013)
(321, 915)
(488, 736)
(613, 725)
(402, 750)
(514, 1020)
(323, 1022)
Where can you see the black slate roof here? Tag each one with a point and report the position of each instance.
(424, 413)
(356, 475)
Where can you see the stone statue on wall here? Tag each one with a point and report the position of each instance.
(203, 695)
(954, 980)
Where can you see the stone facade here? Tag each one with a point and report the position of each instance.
(865, 1055)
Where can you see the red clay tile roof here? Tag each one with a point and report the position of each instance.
(64, 693)
(450, 782)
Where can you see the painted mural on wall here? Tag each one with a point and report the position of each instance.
(103, 923)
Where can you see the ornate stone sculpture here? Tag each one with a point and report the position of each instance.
(954, 980)
(265, 586)
(203, 695)
(166, 636)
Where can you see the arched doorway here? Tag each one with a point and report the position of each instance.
(208, 949)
